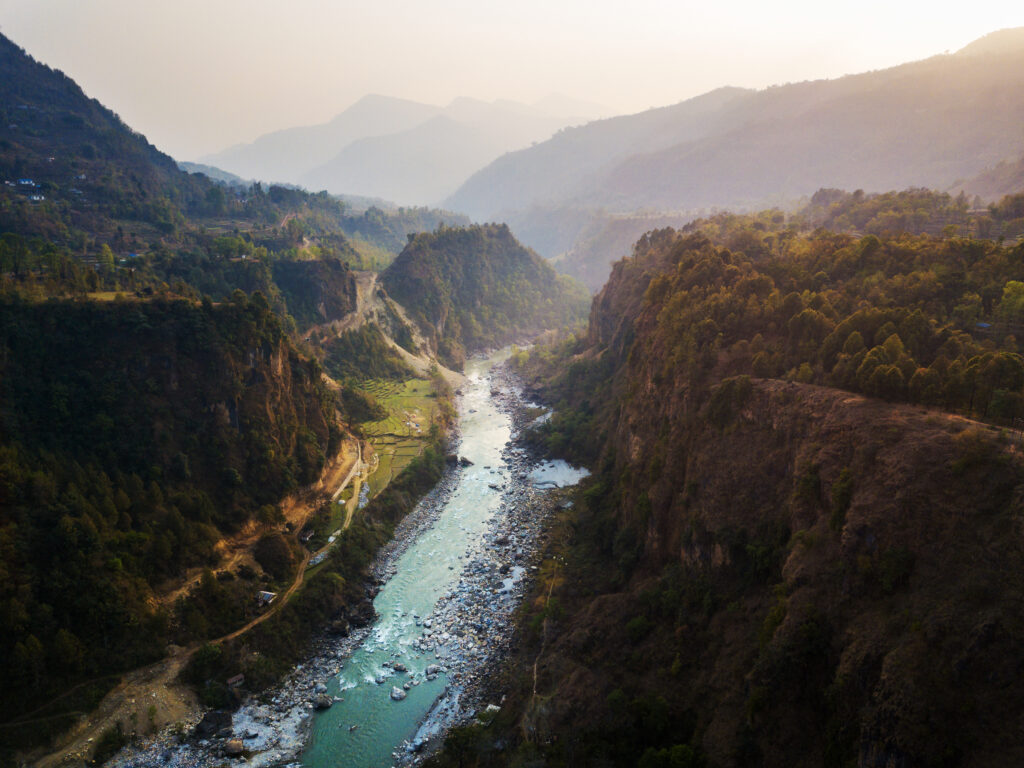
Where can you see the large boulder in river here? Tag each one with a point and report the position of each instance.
(323, 701)
(465, 462)
(397, 694)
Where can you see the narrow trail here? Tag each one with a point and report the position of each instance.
(356, 469)
(24, 717)
(353, 503)
(296, 509)
(157, 685)
(274, 608)
(372, 307)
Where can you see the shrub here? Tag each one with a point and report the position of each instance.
(637, 628)
(274, 555)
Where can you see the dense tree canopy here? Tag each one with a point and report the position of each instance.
(474, 287)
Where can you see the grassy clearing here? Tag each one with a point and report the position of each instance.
(105, 295)
(336, 518)
(394, 456)
(399, 438)
(411, 407)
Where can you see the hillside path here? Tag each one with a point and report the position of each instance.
(157, 684)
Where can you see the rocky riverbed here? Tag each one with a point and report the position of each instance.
(463, 639)
(470, 630)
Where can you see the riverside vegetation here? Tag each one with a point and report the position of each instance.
(800, 546)
(157, 398)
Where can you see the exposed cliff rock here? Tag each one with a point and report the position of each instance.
(765, 572)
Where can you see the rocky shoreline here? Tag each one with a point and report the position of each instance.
(270, 728)
(471, 629)
(468, 633)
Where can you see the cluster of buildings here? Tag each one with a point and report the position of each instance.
(32, 189)
(27, 185)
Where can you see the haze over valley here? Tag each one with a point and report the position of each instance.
(733, 148)
(401, 151)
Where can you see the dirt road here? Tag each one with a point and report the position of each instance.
(149, 698)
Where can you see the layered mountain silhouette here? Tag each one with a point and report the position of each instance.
(926, 123)
(400, 150)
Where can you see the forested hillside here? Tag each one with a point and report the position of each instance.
(799, 546)
(135, 435)
(914, 211)
(88, 205)
(380, 234)
(75, 151)
(470, 288)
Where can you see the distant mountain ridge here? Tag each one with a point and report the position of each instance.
(1005, 178)
(926, 123)
(286, 154)
(401, 150)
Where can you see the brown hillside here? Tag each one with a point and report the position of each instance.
(783, 630)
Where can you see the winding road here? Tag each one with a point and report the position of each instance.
(157, 685)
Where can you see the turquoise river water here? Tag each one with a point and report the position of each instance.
(364, 726)
(427, 570)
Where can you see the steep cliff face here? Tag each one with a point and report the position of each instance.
(825, 578)
(147, 381)
(765, 572)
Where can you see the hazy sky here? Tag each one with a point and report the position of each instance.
(198, 75)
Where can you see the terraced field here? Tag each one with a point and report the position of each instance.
(394, 442)
(400, 437)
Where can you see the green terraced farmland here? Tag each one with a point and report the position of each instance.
(400, 437)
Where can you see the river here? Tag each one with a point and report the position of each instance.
(444, 617)
(427, 570)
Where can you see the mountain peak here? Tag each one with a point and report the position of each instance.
(998, 43)
(380, 99)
